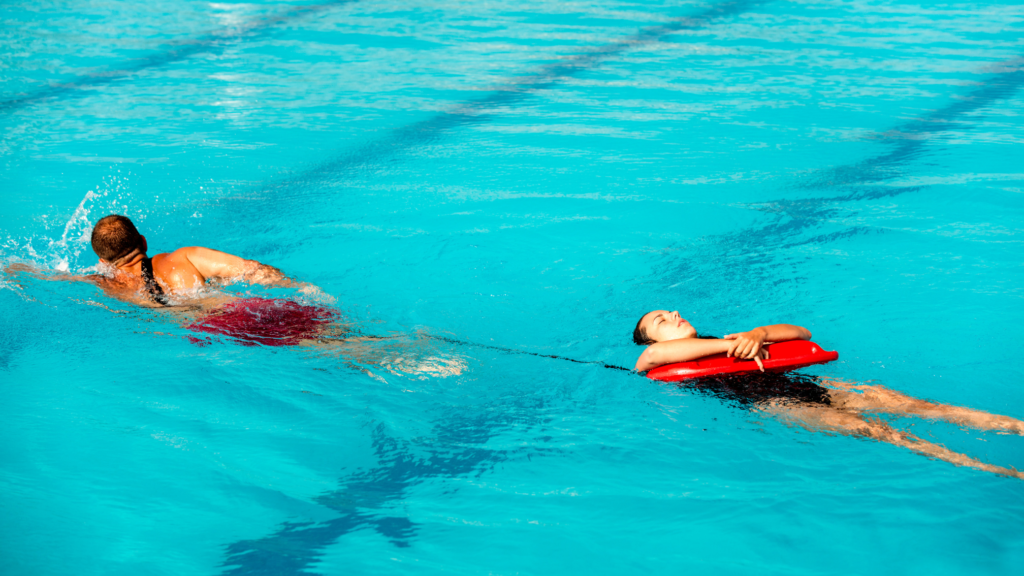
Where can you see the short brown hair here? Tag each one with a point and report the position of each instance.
(115, 236)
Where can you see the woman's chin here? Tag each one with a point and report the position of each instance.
(683, 334)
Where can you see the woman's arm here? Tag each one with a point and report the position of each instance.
(682, 350)
(745, 345)
(748, 344)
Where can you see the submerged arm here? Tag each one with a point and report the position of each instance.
(18, 268)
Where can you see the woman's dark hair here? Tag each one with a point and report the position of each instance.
(640, 337)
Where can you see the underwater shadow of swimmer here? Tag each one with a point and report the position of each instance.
(364, 495)
(210, 42)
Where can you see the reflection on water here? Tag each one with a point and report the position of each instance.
(235, 29)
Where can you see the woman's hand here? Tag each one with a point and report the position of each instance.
(747, 345)
(762, 355)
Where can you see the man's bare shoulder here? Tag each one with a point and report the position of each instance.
(183, 252)
(188, 257)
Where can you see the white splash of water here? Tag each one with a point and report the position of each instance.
(80, 215)
(62, 254)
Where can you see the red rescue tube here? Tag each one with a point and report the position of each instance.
(784, 356)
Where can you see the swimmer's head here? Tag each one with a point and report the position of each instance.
(661, 325)
(115, 239)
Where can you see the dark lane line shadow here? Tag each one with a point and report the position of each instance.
(364, 499)
(911, 138)
(475, 111)
(865, 179)
(182, 49)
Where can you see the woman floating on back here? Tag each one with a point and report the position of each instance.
(815, 404)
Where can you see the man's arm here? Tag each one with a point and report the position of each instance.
(214, 264)
(19, 268)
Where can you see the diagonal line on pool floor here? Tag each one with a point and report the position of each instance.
(749, 249)
(181, 50)
(1004, 80)
(863, 180)
(511, 92)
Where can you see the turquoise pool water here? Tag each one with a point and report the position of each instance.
(526, 175)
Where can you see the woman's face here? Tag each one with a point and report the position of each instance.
(662, 325)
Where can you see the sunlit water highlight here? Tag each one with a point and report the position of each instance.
(530, 176)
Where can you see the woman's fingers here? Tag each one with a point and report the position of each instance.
(741, 350)
(745, 348)
(729, 337)
(759, 363)
(748, 350)
(755, 350)
(732, 348)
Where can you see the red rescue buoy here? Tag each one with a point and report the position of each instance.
(784, 356)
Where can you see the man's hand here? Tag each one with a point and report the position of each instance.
(747, 345)
(18, 268)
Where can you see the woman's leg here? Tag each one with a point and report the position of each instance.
(829, 419)
(863, 398)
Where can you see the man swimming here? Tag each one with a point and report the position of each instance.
(173, 281)
(813, 403)
(133, 276)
